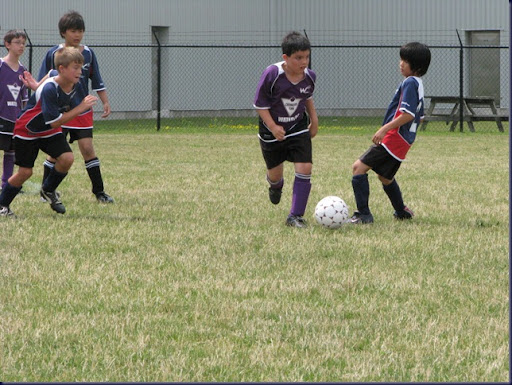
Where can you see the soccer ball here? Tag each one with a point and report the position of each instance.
(331, 212)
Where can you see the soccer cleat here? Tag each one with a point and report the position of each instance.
(43, 199)
(54, 199)
(6, 212)
(406, 213)
(103, 197)
(275, 195)
(296, 221)
(359, 218)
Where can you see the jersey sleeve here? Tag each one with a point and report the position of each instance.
(410, 98)
(46, 65)
(49, 104)
(262, 99)
(95, 76)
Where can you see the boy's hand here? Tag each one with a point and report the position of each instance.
(379, 136)
(106, 110)
(29, 81)
(88, 102)
(278, 132)
(313, 130)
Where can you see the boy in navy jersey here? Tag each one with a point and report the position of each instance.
(72, 28)
(283, 97)
(13, 96)
(57, 101)
(394, 139)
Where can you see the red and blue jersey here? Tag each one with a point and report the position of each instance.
(408, 99)
(45, 107)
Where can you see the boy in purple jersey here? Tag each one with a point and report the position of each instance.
(394, 139)
(284, 100)
(13, 96)
(57, 101)
(72, 28)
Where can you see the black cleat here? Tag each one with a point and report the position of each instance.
(54, 199)
(6, 212)
(359, 218)
(275, 195)
(296, 221)
(103, 197)
(406, 213)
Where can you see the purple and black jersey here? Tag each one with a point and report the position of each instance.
(285, 100)
(13, 93)
(90, 68)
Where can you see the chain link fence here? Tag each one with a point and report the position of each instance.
(166, 83)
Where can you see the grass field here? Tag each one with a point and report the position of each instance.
(192, 275)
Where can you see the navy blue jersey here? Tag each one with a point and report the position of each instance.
(408, 99)
(45, 107)
(90, 68)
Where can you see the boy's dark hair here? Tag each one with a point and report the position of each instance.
(418, 57)
(294, 42)
(14, 34)
(71, 20)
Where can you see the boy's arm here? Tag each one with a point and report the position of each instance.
(106, 104)
(29, 81)
(313, 117)
(397, 122)
(87, 103)
(277, 131)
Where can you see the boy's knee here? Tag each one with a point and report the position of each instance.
(385, 181)
(359, 168)
(65, 161)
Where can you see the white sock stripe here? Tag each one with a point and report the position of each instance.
(274, 183)
(49, 164)
(303, 176)
(93, 163)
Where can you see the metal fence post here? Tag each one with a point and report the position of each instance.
(30, 53)
(461, 83)
(158, 82)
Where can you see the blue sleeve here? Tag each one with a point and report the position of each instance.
(50, 104)
(46, 65)
(410, 98)
(95, 76)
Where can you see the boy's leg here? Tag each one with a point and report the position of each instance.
(8, 167)
(12, 188)
(394, 194)
(361, 189)
(59, 149)
(48, 166)
(92, 165)
(300, 196)
(276, 182)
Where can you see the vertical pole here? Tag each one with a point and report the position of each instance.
(305, 34)
(158, 82)
(30, 53)
(461, 83)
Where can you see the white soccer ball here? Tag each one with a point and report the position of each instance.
(331, 212)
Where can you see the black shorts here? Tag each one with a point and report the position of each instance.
(381, 161)
(77, 134)
(296, 149)
(6, 142)
(27, 150)
(6, 129)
